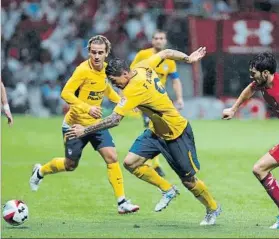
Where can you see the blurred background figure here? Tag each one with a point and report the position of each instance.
(43, 41)
(51, 96)
(5, 105)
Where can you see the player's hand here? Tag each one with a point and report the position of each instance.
(76, 131)
(9, 117)
(96, 112)
(197, 55)
(179, 104)
(228, 113)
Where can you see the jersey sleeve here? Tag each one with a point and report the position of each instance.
(153, 61)
(130, 100)
(137, 59)
(172, 70)
(72, 85)
(111, 94)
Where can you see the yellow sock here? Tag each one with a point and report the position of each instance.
(201, 192)
(156, 162)
(148, 174)
(116, 179)
(54, 166)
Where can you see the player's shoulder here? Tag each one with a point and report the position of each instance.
(83, 67)
(146, 52)
(137, 79)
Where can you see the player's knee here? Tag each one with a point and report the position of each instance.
(70, 165)
(188, 182)
(128, 165)
(111, 158)
(257, 170)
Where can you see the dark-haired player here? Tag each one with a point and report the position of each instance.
(169, 133)
(84, 92)
(166, 69)
(265, 79)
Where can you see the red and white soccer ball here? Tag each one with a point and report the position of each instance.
(15, 212)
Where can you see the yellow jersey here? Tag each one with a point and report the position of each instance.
(86, 88)
(146, 92)
(167, 68)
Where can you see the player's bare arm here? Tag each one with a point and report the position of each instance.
(5, 104)
(177, 87)
(78, 131)
(180, 56)
(246, 94)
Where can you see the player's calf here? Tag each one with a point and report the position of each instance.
(262, 171)
(201, 192)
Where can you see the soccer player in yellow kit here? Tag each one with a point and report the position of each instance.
(84, 92)
(166, 69)
(169, 132)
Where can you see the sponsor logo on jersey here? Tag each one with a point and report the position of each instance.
(95, 95)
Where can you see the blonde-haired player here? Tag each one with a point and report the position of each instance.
(167, 69)
(84, 92)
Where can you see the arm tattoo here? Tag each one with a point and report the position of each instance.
(178, 55)
(108, 122)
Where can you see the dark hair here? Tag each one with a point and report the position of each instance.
(264, 61)
(116, 67)
(99, 39)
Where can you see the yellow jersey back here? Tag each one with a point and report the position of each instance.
(146, 91)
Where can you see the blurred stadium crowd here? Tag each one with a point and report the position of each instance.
(44, 40)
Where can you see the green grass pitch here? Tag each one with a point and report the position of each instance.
(81, 204)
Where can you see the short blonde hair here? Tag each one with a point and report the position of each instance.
(99, 39)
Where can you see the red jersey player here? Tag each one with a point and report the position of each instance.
(265, 79)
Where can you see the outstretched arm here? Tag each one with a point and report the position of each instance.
(180, 56)
(78, 131)
(246, 94)
(5, 105)
(177, 87)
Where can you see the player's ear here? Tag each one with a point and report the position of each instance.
(266, 72)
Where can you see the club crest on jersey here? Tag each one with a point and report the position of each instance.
(95, 95)
(70, 152)
(122, 102)
(165, 67)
